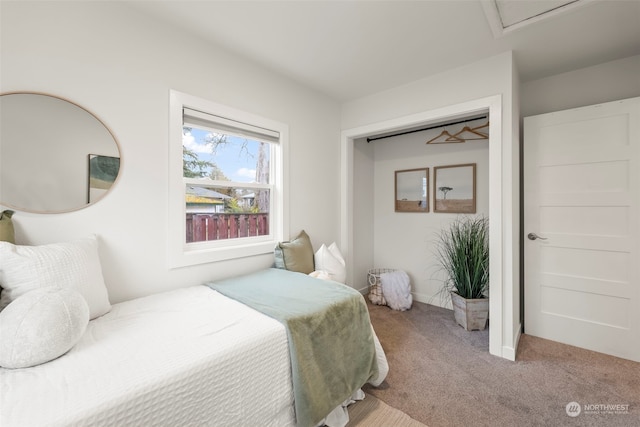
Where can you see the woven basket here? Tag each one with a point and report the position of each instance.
(375, 287)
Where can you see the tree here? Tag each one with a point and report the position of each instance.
(216, 173)
(215, 140)
(445, 190)
(232, 206)
(262, 166)
(262, 177)
(192, 166)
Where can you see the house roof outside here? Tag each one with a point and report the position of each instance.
(190, 199)
(204, 196)
(205, 193)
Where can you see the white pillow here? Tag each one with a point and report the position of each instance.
(71, 265)
(41, 326)
(330, 260)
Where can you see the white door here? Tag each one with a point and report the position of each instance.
(582, 196)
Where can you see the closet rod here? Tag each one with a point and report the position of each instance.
(427, 128)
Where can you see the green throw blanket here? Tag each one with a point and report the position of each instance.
(330, 337)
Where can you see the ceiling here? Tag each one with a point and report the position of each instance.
(350, 49)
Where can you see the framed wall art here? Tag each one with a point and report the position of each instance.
(412, 190)
(454, 188)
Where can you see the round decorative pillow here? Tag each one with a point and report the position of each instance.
(40, 326)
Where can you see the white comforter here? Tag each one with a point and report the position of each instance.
(189, 357)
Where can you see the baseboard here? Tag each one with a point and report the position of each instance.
(423, 298)
(432, 300)
(364, 291)
(509, 353)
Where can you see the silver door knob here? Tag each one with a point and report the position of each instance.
(534, 236)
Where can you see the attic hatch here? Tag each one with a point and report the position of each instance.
(507, 15)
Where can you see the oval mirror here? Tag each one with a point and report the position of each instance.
(55, 156)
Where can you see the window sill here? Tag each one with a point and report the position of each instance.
(198, 255)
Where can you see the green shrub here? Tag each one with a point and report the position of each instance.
(462, 250)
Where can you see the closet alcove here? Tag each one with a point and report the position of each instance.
(405, 240)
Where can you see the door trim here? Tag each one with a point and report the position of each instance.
(501, 265)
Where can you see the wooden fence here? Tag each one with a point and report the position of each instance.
(218, 226)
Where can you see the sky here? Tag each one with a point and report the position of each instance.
(236, 165)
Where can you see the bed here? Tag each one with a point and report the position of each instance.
(188, 357)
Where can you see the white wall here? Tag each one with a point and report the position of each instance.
(606, 82)
(610, 81)
(493, 77)
(364, 212)
(121, 65)
(406, 241)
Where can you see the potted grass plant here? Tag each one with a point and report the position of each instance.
(462, 250)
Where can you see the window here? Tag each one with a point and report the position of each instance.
(226, 182)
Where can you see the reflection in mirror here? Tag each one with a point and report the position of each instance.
(412, 190)
(55, 156)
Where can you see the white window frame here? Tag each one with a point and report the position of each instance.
(182, 254)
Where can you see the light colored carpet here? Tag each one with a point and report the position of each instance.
(444, 376)
(373, 412)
